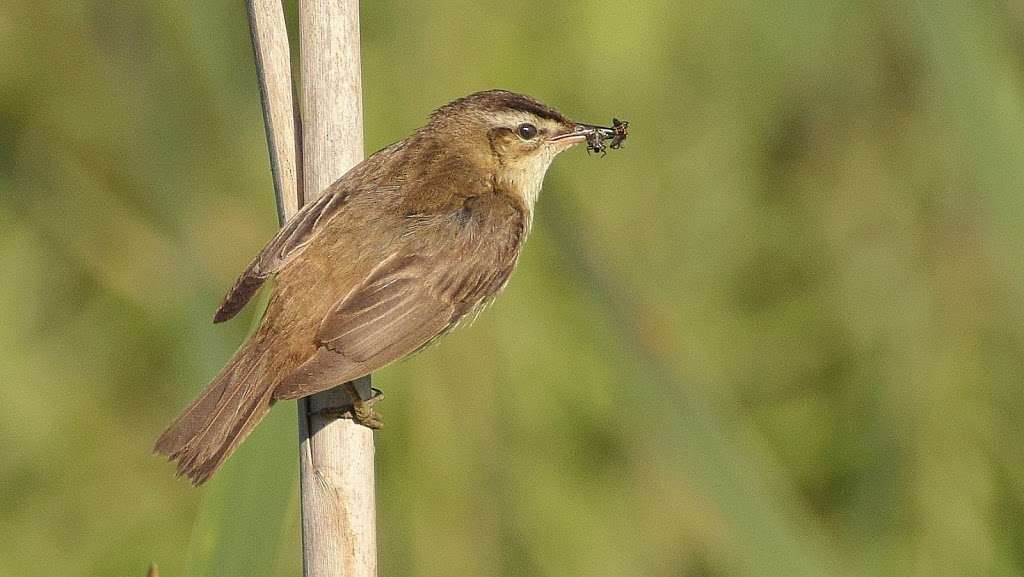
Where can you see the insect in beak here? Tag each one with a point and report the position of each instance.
(596, 135)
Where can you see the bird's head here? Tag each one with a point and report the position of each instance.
(511, 136)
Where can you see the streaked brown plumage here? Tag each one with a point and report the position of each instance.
(392, 255)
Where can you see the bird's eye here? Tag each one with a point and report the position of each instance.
(526, 131)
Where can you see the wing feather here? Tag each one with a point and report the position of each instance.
(391, 314)
(289, 242)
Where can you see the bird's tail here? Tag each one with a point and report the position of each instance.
(211, 428)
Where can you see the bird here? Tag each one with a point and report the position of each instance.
(394, 254)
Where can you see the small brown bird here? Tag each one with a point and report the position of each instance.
(392, 255)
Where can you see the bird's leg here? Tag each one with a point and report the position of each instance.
(361, 410)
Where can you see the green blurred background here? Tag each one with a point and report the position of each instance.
(780, 333)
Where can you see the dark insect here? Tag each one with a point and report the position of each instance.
(598, 134)
(595, 142)
(621, 128)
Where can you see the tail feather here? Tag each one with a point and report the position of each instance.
(210, 429)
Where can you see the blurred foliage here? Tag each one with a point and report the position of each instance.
(779, 333)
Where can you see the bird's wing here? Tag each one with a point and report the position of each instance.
(289, 242)
(401, 306)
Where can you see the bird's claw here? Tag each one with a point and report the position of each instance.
(360, 412)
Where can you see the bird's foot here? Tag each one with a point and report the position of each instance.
(360, 411)
(366, 415)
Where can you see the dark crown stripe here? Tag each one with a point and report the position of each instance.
(502, 100)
